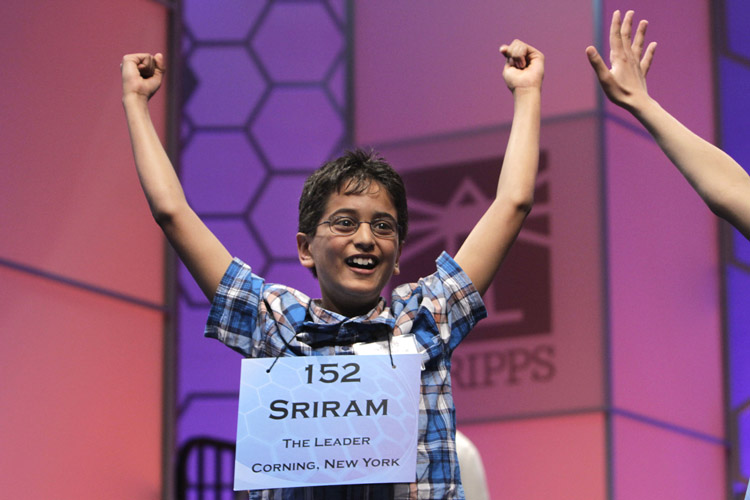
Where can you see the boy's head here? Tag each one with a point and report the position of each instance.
(352, 223)
(351, 173)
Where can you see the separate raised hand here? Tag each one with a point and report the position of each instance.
(718, 179)
(524, 66)
(142, 74)
(625, 83)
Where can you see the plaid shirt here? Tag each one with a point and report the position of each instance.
(268, 320)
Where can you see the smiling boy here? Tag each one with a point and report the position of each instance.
(352, 227)
(352, 263)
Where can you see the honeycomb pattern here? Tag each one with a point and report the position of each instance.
(228, 189)
(264, 102)
(229, 86)
(220, 21)
(297, 126)
(298, 42)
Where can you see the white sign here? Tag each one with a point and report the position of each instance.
(320, 420)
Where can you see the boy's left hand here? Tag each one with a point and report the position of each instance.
(142, 74)
(524, 66)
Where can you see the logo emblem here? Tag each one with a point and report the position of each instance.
(445, 202)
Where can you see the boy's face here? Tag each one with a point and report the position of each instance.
(352, 269)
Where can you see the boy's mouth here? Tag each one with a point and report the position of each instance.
(362, 262)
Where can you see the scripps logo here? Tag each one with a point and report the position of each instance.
(444, 205)
(442, 211)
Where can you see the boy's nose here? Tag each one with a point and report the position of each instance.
(364, 236)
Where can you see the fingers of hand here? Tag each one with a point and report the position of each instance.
(615, 40)
(648, 58)
(128, 60)
(602, 72)
(516, 54)
(146, 64)
(640, 37)
(621, 33)
(159, 61)
(592, 54)
(626, 29)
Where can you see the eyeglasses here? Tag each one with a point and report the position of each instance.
(344, 225)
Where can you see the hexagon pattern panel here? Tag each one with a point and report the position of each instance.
(264, 102)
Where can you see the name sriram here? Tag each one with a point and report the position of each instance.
(281, 409)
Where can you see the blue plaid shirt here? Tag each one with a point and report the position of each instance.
(267, 320)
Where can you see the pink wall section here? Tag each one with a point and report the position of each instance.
(67, 162)
(81, 391)
(664, 265)
(424, 67)
(81, 373)
(651, 463)
(561, 458)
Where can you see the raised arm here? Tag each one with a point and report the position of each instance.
(718, 179)
(488, 243)
(203, 254)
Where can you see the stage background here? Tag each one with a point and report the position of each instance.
(601, 370)
(81, 264)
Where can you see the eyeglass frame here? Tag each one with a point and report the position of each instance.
(357, 223)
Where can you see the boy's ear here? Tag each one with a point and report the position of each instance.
(396, 269)
(303, 251)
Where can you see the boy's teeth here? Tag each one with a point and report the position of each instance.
(362, 261)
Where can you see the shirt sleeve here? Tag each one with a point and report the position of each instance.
(464, 304)
(234, 311)
(440, 309)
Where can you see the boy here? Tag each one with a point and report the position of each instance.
(718, 179)
(353, 223)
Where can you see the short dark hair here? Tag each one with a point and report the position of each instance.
(354, 171)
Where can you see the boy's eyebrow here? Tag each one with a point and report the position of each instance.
(384, 215)
(351, 211)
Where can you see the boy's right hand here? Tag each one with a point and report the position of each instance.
(142, 74)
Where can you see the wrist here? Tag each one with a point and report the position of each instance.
(641, 106)
(134, 99)
(525, 94)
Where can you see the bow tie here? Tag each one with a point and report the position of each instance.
(344, 332)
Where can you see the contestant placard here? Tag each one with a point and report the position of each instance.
(320, 420)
